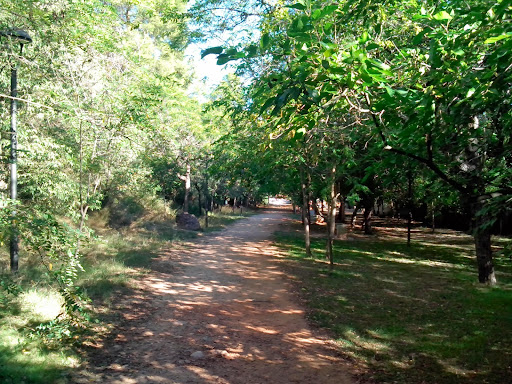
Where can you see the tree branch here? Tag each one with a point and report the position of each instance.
(429, 162)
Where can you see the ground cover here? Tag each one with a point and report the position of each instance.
(34, 348)
(408, 314)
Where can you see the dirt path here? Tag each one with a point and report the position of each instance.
(218, 311)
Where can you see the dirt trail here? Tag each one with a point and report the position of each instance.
(218, 311)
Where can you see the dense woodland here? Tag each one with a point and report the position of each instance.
(402, 105)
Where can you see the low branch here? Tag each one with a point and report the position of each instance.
(429, 162)
(26, 101)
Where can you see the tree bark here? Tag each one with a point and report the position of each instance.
(331, 219)
(305, 210)
(482, 237)
(187, 189)
(198, 188)
(354, 216)
(186, 179)
(367, 221)
(409, 205)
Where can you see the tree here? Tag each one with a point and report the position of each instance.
(403, 73)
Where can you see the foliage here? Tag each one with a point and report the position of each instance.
(388, 82)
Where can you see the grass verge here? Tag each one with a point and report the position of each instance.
(409, 314)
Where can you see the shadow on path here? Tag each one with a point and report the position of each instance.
(217, 311)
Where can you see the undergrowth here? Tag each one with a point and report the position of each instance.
(38, 336)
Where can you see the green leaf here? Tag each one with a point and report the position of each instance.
(265, 40)
(494, 39)
(298, 6)
(252, 51)
(317, 13)
(211, 51)
(328, 28)
(329, 10)
(434, 56)
(419, 37)
(267, 104)
(379, 64)
(223, 59)
(443, 15)
(389, 91)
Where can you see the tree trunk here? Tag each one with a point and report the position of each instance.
(318, 213)
(186, 178)
(367, 222)
(206, 209)
(482, 236)
(433, 218)
(307, 219)
(484, 257)
(199, 199)
(409, 205)
(354, 216)
(331, 220)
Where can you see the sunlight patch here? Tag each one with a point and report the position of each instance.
(428, 263)
(365, 343)
(263, 330)
(44, 305)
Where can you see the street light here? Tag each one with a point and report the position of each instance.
(22, 37)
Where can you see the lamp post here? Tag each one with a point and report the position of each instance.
(21, 37)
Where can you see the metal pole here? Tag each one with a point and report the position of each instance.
(409, 203)
(22, 37)
(14, 248)
(206, 197)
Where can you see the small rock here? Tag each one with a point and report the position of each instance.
(187, 221)
(197, 355)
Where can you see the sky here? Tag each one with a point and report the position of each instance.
(208, 73)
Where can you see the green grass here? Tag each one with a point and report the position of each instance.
(410, 314)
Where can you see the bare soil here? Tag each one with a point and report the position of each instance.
(219, 310)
